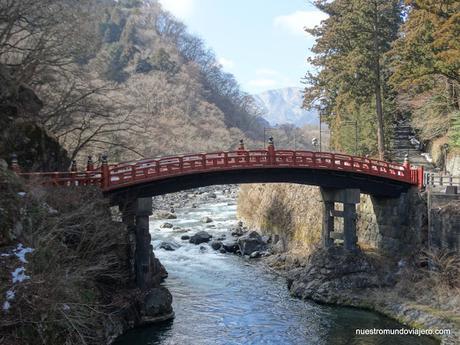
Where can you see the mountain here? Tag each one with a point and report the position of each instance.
(282, 106)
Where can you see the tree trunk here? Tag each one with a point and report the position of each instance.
(378, 88)
(380, 122)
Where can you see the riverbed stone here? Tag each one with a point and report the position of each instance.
(216, 245)
(200, 237)
(206, 220)
(250, 243)
(255, 255)
(185, 237)
(166, 226)
(169, 246)
(165, 215)
(237, 232)
(230, 246)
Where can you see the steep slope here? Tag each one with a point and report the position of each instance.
(283, 106)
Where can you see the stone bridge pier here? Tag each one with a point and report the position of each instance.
(349, 198)
(135, 215)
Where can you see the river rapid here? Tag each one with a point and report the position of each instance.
(227, 299)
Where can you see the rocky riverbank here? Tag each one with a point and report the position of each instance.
(363, 280)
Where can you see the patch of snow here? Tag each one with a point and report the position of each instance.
(10, 295)
(6, 306)
(22, 194)
(5, 254)
(427, 157)
(21, 252)
(65, 307)
(50, 209)
(19, 275)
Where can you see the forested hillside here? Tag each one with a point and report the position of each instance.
(121, 76)
(383, 61)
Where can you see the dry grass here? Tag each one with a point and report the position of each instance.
(291, 211)
(432, 279)
(79, 263)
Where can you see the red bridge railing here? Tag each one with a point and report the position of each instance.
(112, 177)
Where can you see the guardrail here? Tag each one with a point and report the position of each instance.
(111, 177)
(431, 179)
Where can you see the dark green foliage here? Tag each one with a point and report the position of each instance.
(352, 82)
(425, 63)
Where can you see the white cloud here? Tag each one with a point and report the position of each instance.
(180, 8)
(226, 63)
(295, 22)
(262, 83)
(267, 72)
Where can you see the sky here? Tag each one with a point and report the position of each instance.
(261, 42)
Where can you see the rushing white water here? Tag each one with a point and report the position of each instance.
(226, 299)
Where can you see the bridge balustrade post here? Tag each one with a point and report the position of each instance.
(271, 151)
(73, 167)
(105, 172)
(241, 147)
(90, 164)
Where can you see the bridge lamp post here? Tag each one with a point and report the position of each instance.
(314, 142)
(271, 130)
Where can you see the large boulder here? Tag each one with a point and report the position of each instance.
(157, 306)
(250, 243)
(169, 246)
(334, 272)
(230, 246)
(200, 237)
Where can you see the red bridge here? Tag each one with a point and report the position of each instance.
(149, 177)
(341, 178)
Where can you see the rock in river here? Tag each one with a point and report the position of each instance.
(185, 237)
(206, 220)
(216, 245)
(169, 246)
(200, 237)
(165, 215)
(230, 246)
(166, 226)
(157, 305)
(250, 243)
(255, 255)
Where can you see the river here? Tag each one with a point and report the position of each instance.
(226, 299)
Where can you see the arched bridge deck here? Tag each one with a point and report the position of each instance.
(149, 177)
